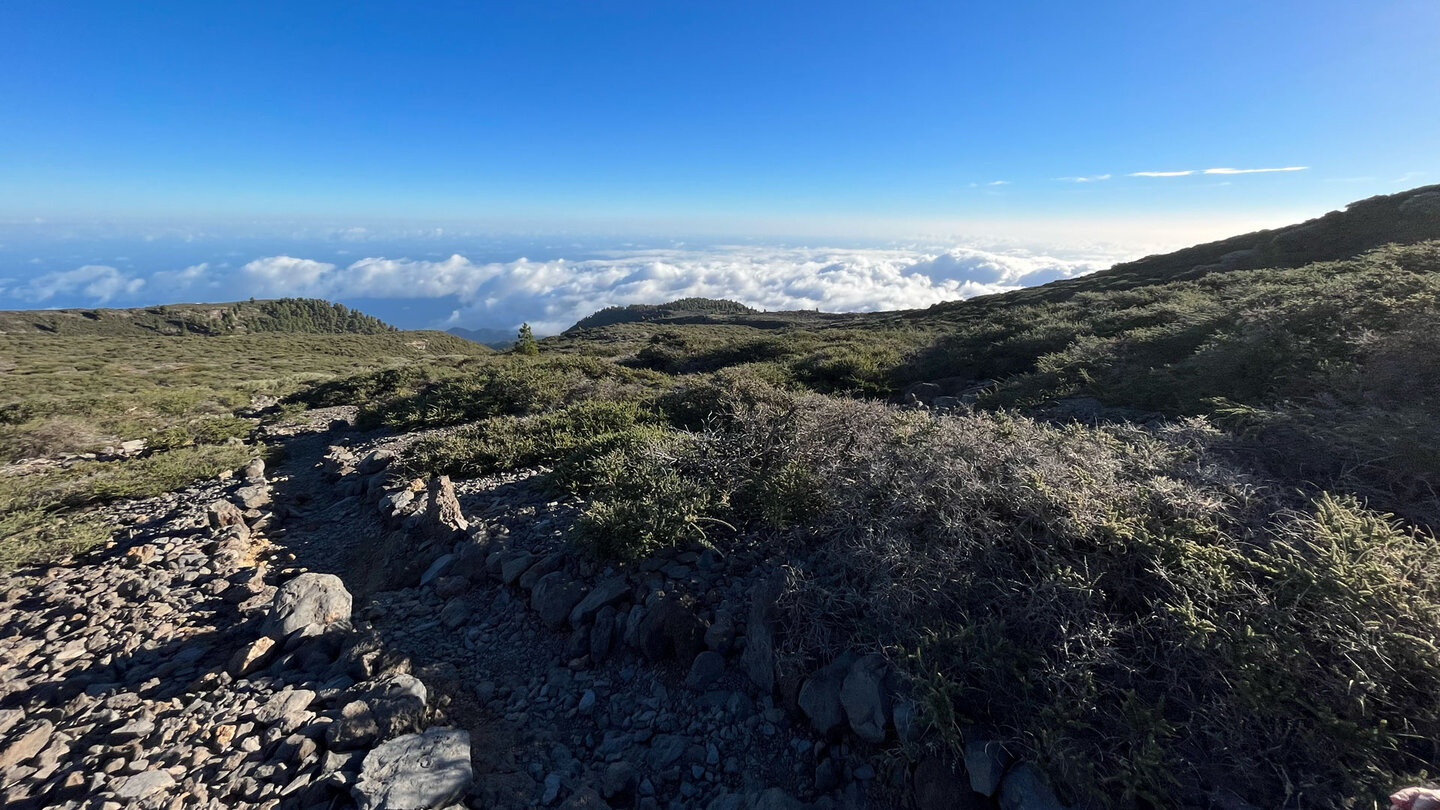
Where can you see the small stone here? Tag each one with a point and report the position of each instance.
(985, 762)
(145, 783)
(619, 782)
(251, 657)
(554, 596)
(451, 586)
(552, 789)
(136, 556)
(1025, 788)
(866, 697)
(444, 520)
(26, 745)
(707, 668)
(605, 594)
(665, 750)
(820, 694)
(455, 613)
(224, 513)
(375, 462)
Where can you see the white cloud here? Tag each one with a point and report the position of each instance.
(193, 277)
(98, 283)
(284, 275)
(1162, 174)
(1090, 179)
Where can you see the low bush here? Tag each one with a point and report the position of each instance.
(515, 386)
(731, 394)
(50, 436)
(645, 497)
(516, 442)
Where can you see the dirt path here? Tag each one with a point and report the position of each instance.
(158, 673)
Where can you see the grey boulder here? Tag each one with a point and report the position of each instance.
(866, 697)
(1025, 788)
(820, 694)
(554, 596)
(308, 604)
(416, 771)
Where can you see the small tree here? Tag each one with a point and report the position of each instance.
(525, 343)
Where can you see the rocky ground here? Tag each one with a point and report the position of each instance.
(330, 634)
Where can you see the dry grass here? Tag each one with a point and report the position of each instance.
(1119, 605)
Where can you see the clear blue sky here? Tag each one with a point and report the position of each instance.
(564, 112)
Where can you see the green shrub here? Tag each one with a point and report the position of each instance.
(518, 386)
(170, 438)
(642, 502)
(517, 442)
(724, 396)
(221, 429)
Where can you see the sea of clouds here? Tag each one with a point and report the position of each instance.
(553, 294)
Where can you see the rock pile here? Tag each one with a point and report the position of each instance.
(168, 672)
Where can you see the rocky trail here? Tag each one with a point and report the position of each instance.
(328, 634)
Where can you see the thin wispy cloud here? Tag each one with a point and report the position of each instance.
(991, 183)
(1257, 171)
(1220, 170)
(1085, 179)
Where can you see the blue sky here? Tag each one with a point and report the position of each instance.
(895, 120)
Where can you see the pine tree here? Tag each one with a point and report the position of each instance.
(525, 342)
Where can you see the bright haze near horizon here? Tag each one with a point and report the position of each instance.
(479, 164)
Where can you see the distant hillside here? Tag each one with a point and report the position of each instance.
(494, 338)
(685, 307)
(1404, 218)
(293, 315)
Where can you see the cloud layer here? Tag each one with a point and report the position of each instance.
(552, 295)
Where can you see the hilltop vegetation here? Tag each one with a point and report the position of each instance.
(654, 312)
(288, 315)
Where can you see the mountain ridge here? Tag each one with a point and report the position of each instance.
(253, 316)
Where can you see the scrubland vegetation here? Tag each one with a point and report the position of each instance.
(1223, 575)
(184, 396)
